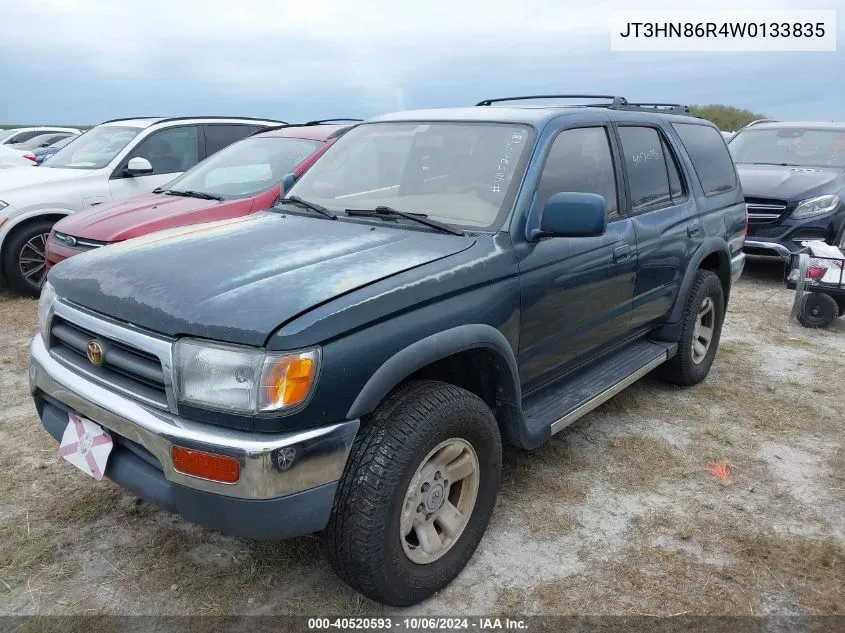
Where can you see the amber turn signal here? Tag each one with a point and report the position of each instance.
(211, 466)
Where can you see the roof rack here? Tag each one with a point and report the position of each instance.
(615, 100)
(159, 119)
(616, 103)
(668, 108)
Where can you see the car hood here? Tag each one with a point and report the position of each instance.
(140, 215)
(785, 183)
(22, 180)
(239, 280)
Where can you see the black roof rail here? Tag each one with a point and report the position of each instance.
(130, 118)
(159, 119)
(615, 100)
(321, 121)
(309, 124)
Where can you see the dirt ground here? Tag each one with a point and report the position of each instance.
(618, 515)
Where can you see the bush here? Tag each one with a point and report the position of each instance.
(727, 118)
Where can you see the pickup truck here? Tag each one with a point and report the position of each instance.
(351, 361)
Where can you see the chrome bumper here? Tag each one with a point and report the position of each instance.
(737, 266)
(272, 465)
(777, 250)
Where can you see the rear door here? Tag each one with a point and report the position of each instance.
(576, 292)
(216, 136)
(664, 217)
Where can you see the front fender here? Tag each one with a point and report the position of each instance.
(17, 220)
(433, 348)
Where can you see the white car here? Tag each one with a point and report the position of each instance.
(21, 134)
(10, 157)
(112, 161)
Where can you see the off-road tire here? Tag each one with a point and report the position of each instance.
(817, 310)
(12, 250)
(681, 369)
(362, 539)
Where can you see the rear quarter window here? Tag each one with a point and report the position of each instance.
(710, 157)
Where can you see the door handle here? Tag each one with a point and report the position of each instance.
(621, 253)
(694, 230)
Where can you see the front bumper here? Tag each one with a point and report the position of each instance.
(287, 480)
(768, 248)
(56, 252)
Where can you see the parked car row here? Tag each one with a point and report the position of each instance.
(423, 288)
(113, 161)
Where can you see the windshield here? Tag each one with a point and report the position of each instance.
(246, 168)
(462, 174)
(7, 133)
(95, 149)
(799, 147)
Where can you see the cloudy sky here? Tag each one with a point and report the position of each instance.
(83, 61)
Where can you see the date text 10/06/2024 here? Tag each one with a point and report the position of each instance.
(421, 623)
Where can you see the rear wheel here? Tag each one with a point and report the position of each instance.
(417, 494)
(817, 310)
(701, 329)
(24, 260)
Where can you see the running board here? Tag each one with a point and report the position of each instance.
(562, 402)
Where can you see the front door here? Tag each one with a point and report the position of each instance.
(170, 151)
(576, 292)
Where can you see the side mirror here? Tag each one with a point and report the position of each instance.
(288, 182)
(138, 166)
(572, 214)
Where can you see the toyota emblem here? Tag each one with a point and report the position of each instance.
(95, 353)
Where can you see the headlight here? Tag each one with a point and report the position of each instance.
(243, 379)
(45, 307)
(815, 206)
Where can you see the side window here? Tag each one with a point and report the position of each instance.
(709, 156)
(219, 136)
(25, 136)
(580, 160)
(676, 188)
(170, 151)
(648, 177)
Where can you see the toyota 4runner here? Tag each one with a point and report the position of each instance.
(350, 362)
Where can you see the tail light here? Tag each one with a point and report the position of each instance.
(30, 156)
(816, 272)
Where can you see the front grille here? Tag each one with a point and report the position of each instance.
(125, 368)
(770, 232)
(764, 209)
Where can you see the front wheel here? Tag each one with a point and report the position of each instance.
(701, 328)
(24, 257)
(417, 494)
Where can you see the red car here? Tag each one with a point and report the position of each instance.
(243, 178)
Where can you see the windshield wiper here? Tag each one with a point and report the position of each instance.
(190, 194)
(776, 164)
(308, 205)
(389, 213)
